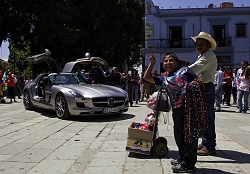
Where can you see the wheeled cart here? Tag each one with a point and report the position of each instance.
(160, 144)
(145, 141)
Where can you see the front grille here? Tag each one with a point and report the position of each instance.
(103, 102)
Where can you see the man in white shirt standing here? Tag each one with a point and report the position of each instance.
(218, 89)
(205, 67)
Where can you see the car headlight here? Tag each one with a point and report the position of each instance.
(77, 95)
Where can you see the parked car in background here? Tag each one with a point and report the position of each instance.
(69, 94)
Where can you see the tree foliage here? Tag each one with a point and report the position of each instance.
(111, 29)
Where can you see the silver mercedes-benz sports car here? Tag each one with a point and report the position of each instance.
(69, 94)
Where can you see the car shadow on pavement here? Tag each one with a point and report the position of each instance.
(103, 118)
(92, 118)
(47, 113)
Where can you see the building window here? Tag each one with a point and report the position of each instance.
(219, 35)
(223, 59)
(175, 36)
(241, 29)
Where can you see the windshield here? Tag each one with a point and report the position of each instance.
(69, 79)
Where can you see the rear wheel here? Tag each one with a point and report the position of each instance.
(26, 101)
(61, 107)
(161, 148)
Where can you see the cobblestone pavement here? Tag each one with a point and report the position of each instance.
(36, 142)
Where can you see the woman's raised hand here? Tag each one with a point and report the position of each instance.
(152, 59)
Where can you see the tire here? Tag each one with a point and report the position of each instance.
(26, 101)
(61, 107)
(161, 148)
(161, 140)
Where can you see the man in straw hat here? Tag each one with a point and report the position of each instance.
(205, 66)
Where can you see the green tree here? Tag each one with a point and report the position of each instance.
(111, 29)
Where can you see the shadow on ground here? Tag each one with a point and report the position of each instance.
(233, 156)
(92, 118)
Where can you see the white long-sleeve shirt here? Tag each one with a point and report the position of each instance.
(219, 77)
(205, 66)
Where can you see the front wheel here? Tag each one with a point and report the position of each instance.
(161, 148)
(61, 107)
(26, 101)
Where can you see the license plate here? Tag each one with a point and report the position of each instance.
(108, 110)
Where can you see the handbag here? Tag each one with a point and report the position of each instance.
(162, 103)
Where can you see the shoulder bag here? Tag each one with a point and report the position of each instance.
(162, 103)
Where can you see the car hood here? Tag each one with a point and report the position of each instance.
(96, 90)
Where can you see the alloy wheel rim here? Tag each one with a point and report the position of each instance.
(60, 106)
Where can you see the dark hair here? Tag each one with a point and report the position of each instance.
(243, 72)
(171, 54)
(245, 62)
(222, 67)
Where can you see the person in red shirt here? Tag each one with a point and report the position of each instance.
(11, 86)
(228, 78)
(1, 83)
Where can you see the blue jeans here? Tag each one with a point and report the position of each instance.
(209, 134)
(135, 92)
(218, 97)
(241, 94)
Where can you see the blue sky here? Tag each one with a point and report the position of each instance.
(4, 51)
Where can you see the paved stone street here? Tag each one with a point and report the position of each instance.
(37, 142)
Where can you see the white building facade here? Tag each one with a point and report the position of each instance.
(170, 30)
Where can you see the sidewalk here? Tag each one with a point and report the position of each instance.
(233, 151)
(36, 142)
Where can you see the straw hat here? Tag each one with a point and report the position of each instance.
(204, 35)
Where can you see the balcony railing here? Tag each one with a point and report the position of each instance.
(182, 43)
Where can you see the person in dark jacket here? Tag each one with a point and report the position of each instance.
(98, 77)
(109, 74)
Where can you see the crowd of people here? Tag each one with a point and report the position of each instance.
(131, 81)
(232, 84)
(11, 85)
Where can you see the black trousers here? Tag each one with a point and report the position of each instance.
(11, 91)
(187, 151)
(234, 92)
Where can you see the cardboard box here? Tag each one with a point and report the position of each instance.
(139, 141)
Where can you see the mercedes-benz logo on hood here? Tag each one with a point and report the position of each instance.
(111, 102)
